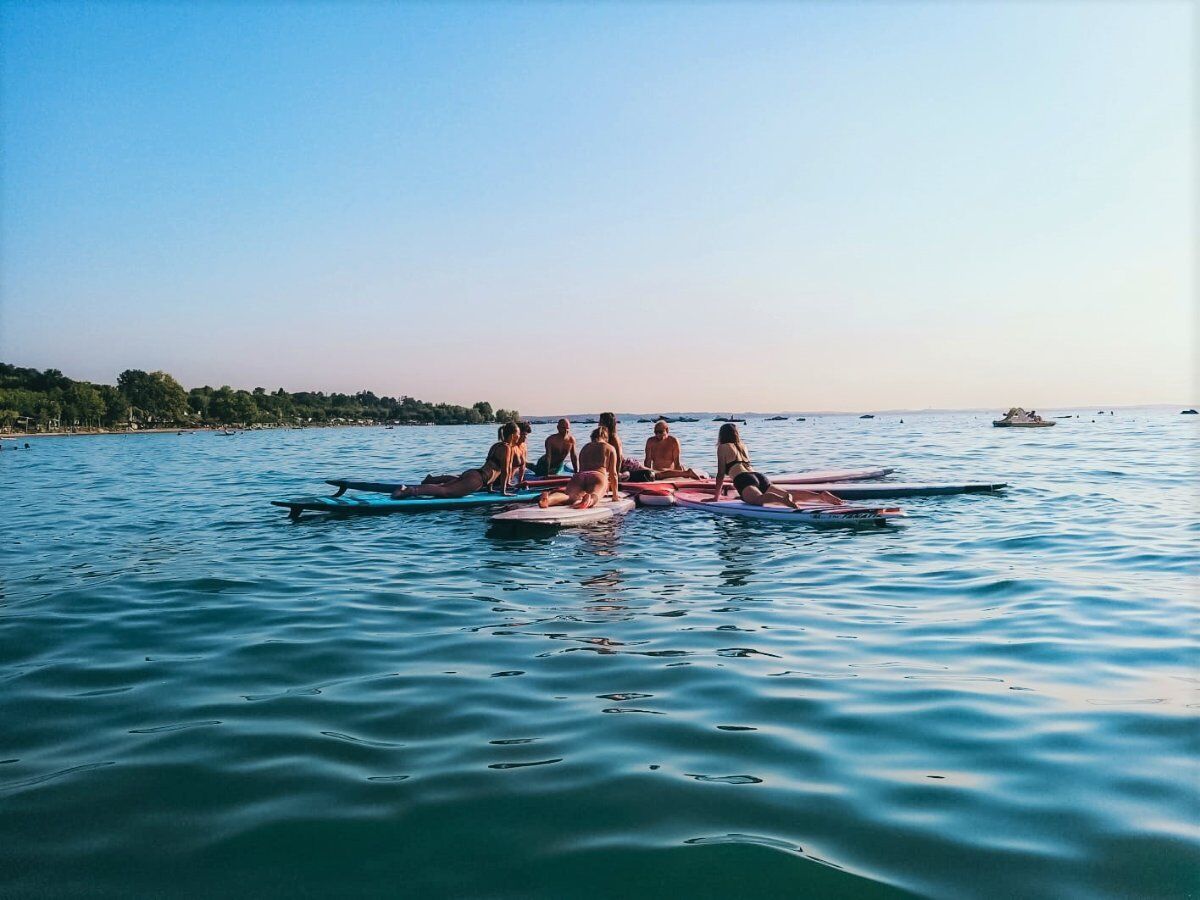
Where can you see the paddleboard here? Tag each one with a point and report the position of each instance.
(564, 516)
(867, 490)
(814, 514)
(656, 498)
(375, 505)
(830, 475)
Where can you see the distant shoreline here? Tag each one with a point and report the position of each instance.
(217, 429)
(536, 420)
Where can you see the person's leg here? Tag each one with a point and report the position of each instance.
(779, 496)
(752, 496)
(466, 483)
(800, 495)
(590, 487)
(664, 474)
(553, 498)
(439, 479)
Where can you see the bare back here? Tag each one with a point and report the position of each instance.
(663, 453)
(597, 456)
(558, 448)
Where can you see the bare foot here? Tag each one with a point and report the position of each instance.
(401, 493)
(544, 500)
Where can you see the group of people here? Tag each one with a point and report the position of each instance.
(598, 466)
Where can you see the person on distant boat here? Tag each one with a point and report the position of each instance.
(559, 446)
(597, 473)
(496, 469)
(733, 461)
(662, 454)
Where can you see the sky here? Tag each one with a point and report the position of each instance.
(584, 206)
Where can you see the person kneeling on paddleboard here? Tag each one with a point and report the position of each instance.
(559, 446)
(496, 469)
(733, 461)
(597, 473)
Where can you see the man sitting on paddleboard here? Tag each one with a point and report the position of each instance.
(597, 473)
(496, 469)
(662, 454)
(733, 461)
(559, 446)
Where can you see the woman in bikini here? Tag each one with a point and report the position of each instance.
(597, 474)
(496, 469)
(733, 461)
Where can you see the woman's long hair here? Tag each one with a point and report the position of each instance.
(507, 430)
(609, 420)
(729, 435)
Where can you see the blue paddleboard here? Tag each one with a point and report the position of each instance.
(375, 505)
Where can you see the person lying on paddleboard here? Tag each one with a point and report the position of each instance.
(559, 446)
(733, 461)
(496, 469)
(662, 454)
(597, 473)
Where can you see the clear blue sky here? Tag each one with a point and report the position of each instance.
(617, 205)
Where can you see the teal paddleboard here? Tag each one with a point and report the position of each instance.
(355, 505)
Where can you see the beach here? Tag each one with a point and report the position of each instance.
(999, 691)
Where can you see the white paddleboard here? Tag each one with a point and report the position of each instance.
(565, 516)
(656, 499)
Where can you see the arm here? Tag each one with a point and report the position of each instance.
(615, 466)
(507, 474)
(720, 478)
(574, 456)
(676, 462)
(646, 461)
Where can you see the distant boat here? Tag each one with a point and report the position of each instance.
(686, 419)
(866, 416)
(801, 419)
(1018, 418)
(644, 421)
(777, 419)
(1188, 412)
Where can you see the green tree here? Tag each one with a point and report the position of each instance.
(82, 403)
(159, 396)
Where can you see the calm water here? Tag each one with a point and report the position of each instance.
(996, 698)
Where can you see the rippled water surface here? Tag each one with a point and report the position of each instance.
(995, 698)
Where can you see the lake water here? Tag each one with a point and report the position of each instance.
(996, 698)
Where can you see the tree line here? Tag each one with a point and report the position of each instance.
(48, 400)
